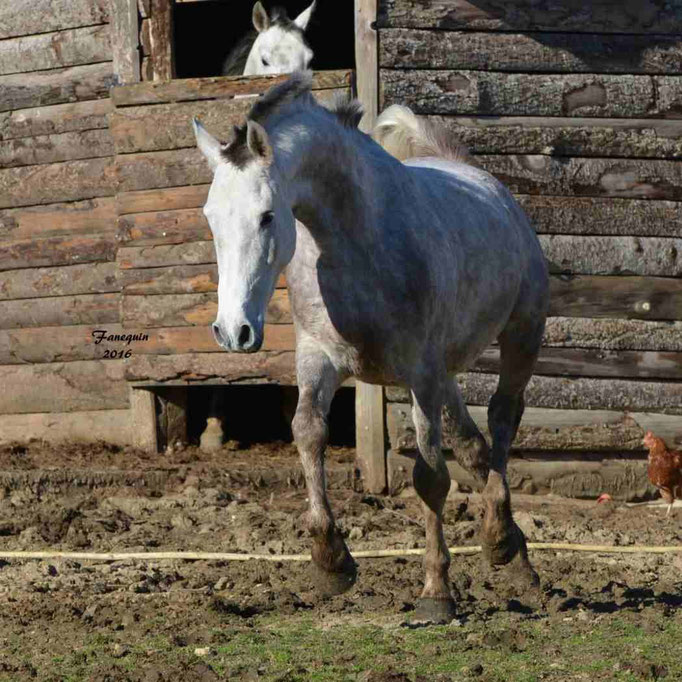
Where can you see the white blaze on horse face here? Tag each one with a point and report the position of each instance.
(254, 236)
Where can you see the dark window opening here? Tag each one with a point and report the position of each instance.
(206, 31)
(263, 414)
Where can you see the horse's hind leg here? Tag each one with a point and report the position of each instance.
(432, 482)
(501, 538)
(333, 567)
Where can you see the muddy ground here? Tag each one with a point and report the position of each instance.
(100, 498)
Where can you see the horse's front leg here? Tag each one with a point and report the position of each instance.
(432, 483)
(334, 570)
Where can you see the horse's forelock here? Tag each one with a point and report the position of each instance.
(277, 98)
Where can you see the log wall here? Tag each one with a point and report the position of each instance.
(576, 108)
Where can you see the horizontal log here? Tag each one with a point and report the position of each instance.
(553, 430)
(88, 217)
(602, 216)
(56, 119)
(63, 387)
(273, 367)
(152, 170)
(60, 311)
(172, 310)
(538, 52)
(109, 426)
(91, 278)
(43, 88)
(40, 253)
(597, 16)
(193, 253)
(168, 199)
(567, 136)
(66, 181)
(504, 94)
(606, 334)
(72, 47)
(574, 393)
(50, 15)
(44, 149)
(169, 126)
(190, 89)
(554, 175)
(644, 298)
(164, 227)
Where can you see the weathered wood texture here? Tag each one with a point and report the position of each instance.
(42, 88)
(191, 89)
(163, 227)
(194, 253)
(566, 136)
(88, 217)
(161, 40)
(56, 119)
(597, 16)
(538, 52)
(553, 430)
(152, 170)
(162, 199)
(143, 419)
(43, 16)
(63, 387)
(56, 251)
(177, 279)
(581, 393)
(59, 311)
(91, 278)
(56, 50)
(520, 94)
(66, 181)
(110, 426)
(125, 41)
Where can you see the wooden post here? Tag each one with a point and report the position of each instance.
(173, 421)
(125, 41)
(370, 439)
(161, 39)
(143, 419)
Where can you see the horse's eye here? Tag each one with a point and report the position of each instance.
(267, 218)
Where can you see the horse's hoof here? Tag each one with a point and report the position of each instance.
(510, 548)
(331, 583)
(435, 610)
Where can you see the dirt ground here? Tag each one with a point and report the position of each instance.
(73, 620)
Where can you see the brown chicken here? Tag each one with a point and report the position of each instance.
(665, 468)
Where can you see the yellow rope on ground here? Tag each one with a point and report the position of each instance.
(361, 554)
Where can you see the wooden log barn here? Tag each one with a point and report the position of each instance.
(576, 106)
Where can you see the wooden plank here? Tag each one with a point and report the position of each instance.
(537, 52)
(163, 227)
(597, 16)
(504, 94)
(92, 216)
(173, 310)
(43, 88)
(16, 19)
(91, 278)
(145, 38)
(273, 367)
(143, 420)
(125, 41)
(566, 136)
(644, 298)
(162, 199)
(189, 89)
(55, 119)
(72, 47)
(60, 311)
(367, 60)
(608, 334)
(194, 253)
(110, 426)
(63, 387)
(66, 181)
(603, 216)
(153, 170)
(45, 149)
(161, 39)
(144, 8)
(580, 393)
(553, 430)
(40, 253)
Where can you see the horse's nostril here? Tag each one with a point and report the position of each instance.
(216, 334)
(244, 336)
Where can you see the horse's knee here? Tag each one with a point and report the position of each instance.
(309, 429)
(432, 484)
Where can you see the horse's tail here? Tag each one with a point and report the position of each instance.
(406, 136)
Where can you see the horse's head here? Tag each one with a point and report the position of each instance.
(253, 228)
(280, 46)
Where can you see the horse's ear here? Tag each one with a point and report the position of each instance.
(257, 141)
(210, 147)
(260, 18)
(303, 18)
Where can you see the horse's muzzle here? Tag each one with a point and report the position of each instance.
(245, 339)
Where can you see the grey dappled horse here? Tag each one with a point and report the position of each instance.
(398, 273)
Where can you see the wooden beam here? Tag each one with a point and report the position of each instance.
(125, 41)
(58, 311)
(194, 253)
(167, 199)
(143, 420)
(367, 61)
(161, 39)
